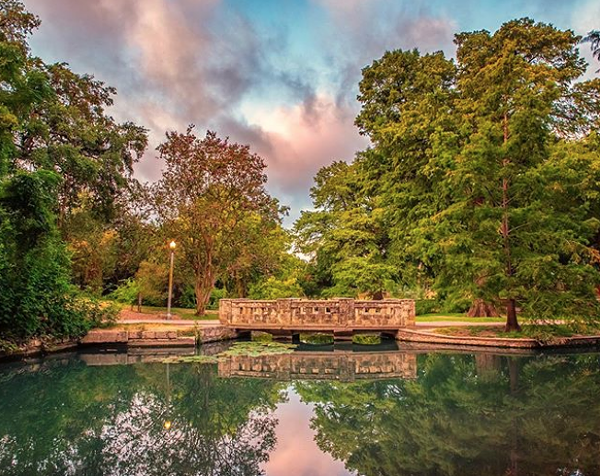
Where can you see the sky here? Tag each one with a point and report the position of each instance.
(279, 75)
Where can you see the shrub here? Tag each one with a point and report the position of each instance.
(426, 306)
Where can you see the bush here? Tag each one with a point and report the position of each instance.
(215, 295)
(426, 306)
(126, 293)
(274, 288)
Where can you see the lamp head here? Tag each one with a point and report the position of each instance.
(172, 245)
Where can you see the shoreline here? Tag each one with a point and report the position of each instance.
(180, 336)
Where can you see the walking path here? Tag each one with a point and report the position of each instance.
(132, 317)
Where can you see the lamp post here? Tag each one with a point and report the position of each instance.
(172, 246)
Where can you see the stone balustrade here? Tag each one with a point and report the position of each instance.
(338, 315)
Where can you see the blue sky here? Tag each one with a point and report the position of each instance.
(279, 75)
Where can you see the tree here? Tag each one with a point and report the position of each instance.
(57, 148)
(346, 235)
(470, 173)
(209, 191)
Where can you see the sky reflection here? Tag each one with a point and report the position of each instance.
(297, 453)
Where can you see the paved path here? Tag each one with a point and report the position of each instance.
(170, 322)
(131, 317)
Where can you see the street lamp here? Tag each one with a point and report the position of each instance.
(172, 245)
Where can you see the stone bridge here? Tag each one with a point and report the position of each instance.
(340, 315)
(343, 366)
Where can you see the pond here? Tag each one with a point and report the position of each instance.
(331, 412)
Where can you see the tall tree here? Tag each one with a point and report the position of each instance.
(209, 191)
(407, 112)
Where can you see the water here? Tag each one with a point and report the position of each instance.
(328, 413)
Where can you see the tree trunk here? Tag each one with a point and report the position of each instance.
(511, 306)
(511, 317)
(203, 288)
(139, 302)
(480, 308)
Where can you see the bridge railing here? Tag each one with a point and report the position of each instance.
(341, 313)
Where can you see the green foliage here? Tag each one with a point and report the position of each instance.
(37, 298)
(426, 306)
(58, 152)
(486, 172)
(346, 237)
(126, 293)
(212, 201)
(273, 288)
(215, 295)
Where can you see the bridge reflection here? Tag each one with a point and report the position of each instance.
(340, 363)
(345, 366)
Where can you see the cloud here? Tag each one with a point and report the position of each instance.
(585, 19)
(176, 62)
(361, 31)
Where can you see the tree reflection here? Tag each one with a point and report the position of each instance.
(67, 418)
(466, 415)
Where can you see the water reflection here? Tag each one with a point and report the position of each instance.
(317, 413)
(69, 418)
(467, 415)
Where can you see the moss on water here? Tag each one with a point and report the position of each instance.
(255, 349)
(366, 339)
(243, 349)
(258, 336)
(316, 339)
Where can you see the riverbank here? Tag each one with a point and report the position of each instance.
(152, 330)
(457, 336)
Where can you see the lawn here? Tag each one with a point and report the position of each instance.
(458, 317)
(538, 332)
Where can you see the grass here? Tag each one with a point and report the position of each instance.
(456, 318)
